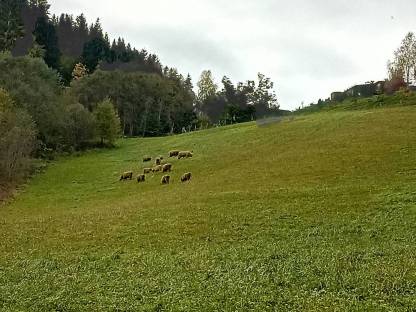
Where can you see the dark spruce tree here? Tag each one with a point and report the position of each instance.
(66, 33)
(11, 24)
(95, 51)
(31, 11)
(96, 30)
(45, 36)
(81, 35)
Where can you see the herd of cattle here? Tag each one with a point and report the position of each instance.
(160, 166)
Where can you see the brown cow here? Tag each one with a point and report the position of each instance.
(127, 175)
(167, 168)
(141, 178)
(165, 180)
(186, 177)
(158, 161)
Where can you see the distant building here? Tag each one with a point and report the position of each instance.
(337, 96)
(363, 90)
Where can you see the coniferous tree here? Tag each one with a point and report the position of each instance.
(42, 4)
(153, 64)
(95, 51)
(81, 34)
(31, 11)
(45, 36)
(11, 24)
(66, 33)
(107, 39)
(96, 30)
(189, 87)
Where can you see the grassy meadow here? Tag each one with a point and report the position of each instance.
(312, 214)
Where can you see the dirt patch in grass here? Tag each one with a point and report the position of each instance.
(6, 192)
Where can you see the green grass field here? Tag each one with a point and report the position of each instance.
(313, 214)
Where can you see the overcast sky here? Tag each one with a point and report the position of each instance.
(308, 47)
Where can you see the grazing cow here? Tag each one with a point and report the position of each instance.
(185, 154)
(147, 159)
(158, 161)
(167, 168)
(186, 177)
(174, 153)
(141, 178)
(147, 170)
(157, 168)
(126, 175)
(165, 180)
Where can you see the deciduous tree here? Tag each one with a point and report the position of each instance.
(17, 140)
(107, 122)
(79, 71)
(404, 61)
(206, 86)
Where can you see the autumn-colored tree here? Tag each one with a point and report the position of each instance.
(79, 71)
(404, 62)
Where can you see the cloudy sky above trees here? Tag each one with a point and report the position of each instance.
(308, 48)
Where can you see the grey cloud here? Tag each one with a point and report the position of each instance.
(323, 45)
(314, 59)
(186, 47)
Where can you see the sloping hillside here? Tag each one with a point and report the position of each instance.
(314, 214)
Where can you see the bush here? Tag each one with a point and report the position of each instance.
(80, 126)
(17, 140)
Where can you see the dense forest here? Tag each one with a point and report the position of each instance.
(65, 86)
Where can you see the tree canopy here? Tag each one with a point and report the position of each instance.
(236, 103)
(404, 62)
(107, 122)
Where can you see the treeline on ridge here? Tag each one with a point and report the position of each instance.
(64, 41)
